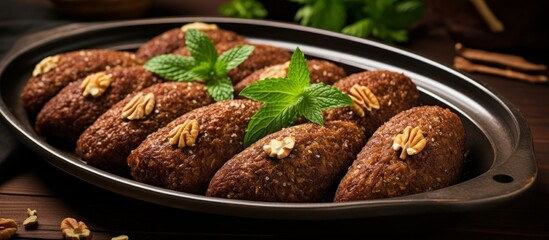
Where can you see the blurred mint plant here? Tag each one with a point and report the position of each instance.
(386, 20)
(243, 9)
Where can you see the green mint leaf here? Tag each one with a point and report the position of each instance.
(172, 67)
(235, 56)
(204, 70)
(271, 90)
(298, 71)
(220, 68)
(328, 96)
(270, 118)
(362, 28)
(243, 9)
(288, 98)
(310, 109)
(220, 88)
(200, 46)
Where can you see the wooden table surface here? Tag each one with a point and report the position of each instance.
(27, 181)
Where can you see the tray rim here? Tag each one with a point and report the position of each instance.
(249, 208)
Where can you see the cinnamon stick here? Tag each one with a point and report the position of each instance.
(466, 65)
(508, 60)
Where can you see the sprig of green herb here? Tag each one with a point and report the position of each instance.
(243, 9)
(204, 64)
(288, 98)
(386, 19)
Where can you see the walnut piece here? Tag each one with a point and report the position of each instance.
(8, 228)
(280, 148)
(47, 64)
(139, 107)
(275, 71)
(199, 26)
(363, 99)
(32, 219)
(95, 84)
(184, 134)
(121, 237)
(74, 230)
(411, 141)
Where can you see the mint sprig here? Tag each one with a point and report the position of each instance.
(287, 99)
(204, 64)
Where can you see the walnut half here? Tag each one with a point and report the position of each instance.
(184, 134)
(73, 230)
(280, 148)
(139, 107)
(8, 228)
(199, 26)
(47, 64)
(95, 84)
(364, 99)
(411, 141)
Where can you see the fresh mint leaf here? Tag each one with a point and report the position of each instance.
(204, 64)
(220, 88)
(288, 98)
(172, 67)
(329, 96)
(298, 71)
(270, 118)
(200, 46)
(235, 56)
(309, 108)
(271, 90)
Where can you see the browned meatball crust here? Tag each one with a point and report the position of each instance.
(69, 113)
(322, 71)
(262, 56)
(379, 172)
(394, 92)
(173, 39)
(221, 131)
(55, 72)
(109, 140)
(310, 173)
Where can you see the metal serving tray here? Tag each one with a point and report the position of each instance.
(500, 162)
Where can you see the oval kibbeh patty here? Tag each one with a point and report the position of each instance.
(109, 140)
(395, 164)
(220, 129)
(318, 157)
(378, 95)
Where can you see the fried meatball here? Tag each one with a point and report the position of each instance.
(162, 160)
(109, 140)
(322, 71)
(262, 56)
(64, 117)
(384, 169)
(173, 39)
(309, 173)
(55, 72)
(393, 92)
